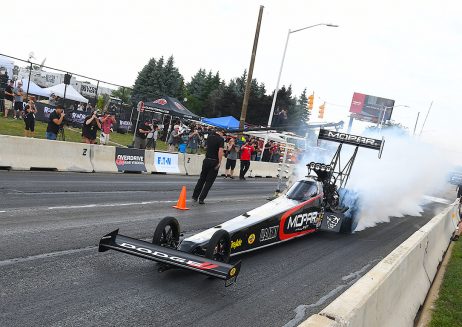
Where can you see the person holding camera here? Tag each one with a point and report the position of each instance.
(54, 123)
(106, 127)
(193, 141)
(90, 127)
(152, 138)
(29, 118)
(231, 157)
(142, 134)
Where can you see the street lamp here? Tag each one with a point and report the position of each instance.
(282, 64)
(279, 76)
(384, 110)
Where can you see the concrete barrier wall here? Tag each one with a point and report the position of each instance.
(391, 293)
(20, 153)
(103, 159)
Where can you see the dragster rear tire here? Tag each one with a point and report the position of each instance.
(219, 247)
(167, 233)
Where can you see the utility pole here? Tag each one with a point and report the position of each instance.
(249, 76)
(428, 112)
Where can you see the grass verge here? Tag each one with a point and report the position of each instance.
(448, 306)
(15, 127)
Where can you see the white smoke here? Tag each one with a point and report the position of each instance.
(393, 186)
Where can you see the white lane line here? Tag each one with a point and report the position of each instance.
(435, 199)
(2, 210)
(45, 255)
(95, 205)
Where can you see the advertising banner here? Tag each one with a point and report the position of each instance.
(370, 108)
(43, 111)
(129, 159)
(166, 162)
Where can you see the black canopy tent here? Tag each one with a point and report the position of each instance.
(170, 106)
(167, 106)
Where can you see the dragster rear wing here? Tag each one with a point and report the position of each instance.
(170, 256)
(351, 139)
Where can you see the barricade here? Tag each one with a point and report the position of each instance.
(20, 153)
(391, 293)
(193, 164)
(149, 161)
(103, 158)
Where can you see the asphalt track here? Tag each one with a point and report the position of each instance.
(52, 275)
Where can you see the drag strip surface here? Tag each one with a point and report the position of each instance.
(52, 275)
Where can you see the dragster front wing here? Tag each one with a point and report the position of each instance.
(170, 256)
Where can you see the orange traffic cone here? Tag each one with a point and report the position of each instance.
(181, 204)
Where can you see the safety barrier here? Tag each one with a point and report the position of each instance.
(103, 159)
(20, 153)
(391, 293)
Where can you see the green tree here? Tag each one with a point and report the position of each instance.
(158, 78)
(123, 93)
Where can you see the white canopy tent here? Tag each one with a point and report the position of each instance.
(282, 137)
(71, 93)
(34, 89)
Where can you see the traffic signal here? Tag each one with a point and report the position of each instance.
(321, 111)
(310, 102)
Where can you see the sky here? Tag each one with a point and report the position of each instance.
(409, 51)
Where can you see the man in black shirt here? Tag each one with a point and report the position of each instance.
(54, 123)
(142, 134)
(210, 165)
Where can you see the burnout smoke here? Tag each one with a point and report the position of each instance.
(393, 186)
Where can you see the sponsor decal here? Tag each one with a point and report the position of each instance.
(352, 138)
(129, 159)
(179, 105)
(162, 102)
(235, 244)
(301, 222)
(285, 233)
(251, 239)
(332, 221)
(166, 162)
(158, 254)
(232, 272)
(269, 233)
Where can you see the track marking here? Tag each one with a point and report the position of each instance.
(301, 309)
(435, 199)
(95, 205)
(44, 256)
(2, 210)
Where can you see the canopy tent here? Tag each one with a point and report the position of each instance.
(227, 122)
(170, 106)
(35, 89)
(282, 137)
(71, 93)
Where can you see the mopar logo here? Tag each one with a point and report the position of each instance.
(351, 138)
(164, 161)
(199, 265)
(301, 221)
(269, 233)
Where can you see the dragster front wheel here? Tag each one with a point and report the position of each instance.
(167, 233)
(219, 247)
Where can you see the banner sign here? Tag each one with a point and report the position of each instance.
(166, 162)
(129, 159)
(43, 111)
(370, 108)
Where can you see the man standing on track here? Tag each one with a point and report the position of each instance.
(210, 165)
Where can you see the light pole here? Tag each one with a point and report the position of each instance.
(384, 110)
(280, 72)
(282, 64)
